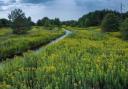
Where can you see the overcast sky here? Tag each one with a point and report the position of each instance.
(63, 9)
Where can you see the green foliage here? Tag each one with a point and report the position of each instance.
(110, 23)
(80, 61)
(57, 22)
(20, 23)
(72, 23)
(4, 23)
(46, 22)
(124, 29)
(94, 18)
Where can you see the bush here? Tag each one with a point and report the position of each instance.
(124, 29)
(20, 24)
(110, 23)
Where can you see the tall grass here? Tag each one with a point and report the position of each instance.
(17, 44)
(84, 60)
(5, 31)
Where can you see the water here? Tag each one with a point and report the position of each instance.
(67, 32)
(60, 38)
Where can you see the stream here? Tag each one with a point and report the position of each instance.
(67, 32)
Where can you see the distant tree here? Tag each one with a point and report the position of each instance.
(46, 22)
(125, 15)
(20, 23)
(70, 23)
(110, 23)
(39, 23)
(4, 23)
(57, 22)
(31, 22)
(94, 18)
(124, 29)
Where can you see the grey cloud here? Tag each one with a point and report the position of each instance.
(64, 9)
(35, 1)
(101, 4)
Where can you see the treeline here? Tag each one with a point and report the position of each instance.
(70, 23)
(42, 22)
(91, 19)
(109, 21)
(20, 24)
(49, 22)
(94, 18)
(17, 19)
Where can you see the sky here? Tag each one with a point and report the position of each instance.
(63, 9)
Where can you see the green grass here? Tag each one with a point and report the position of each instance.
(5, 31)
(16, 44)
(87, 59)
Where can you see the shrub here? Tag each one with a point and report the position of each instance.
(110, 23)
(124, 29)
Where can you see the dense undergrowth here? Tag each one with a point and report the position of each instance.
(87, 59)
(11, 44)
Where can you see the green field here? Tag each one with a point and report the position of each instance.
(86, 59)
(11, 44)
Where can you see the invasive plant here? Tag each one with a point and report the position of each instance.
(15, 45)
(77, 62)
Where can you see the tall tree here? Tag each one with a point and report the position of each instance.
(20, 23)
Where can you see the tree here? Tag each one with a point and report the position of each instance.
(20, 23)
(46, 22)
(4, 23)
(31, 22)
(94, 18)
(39, 23)
(110, 23)
(57, 22)
(124, 29)
(70, 23)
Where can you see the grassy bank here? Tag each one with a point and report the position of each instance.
(11, 44)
